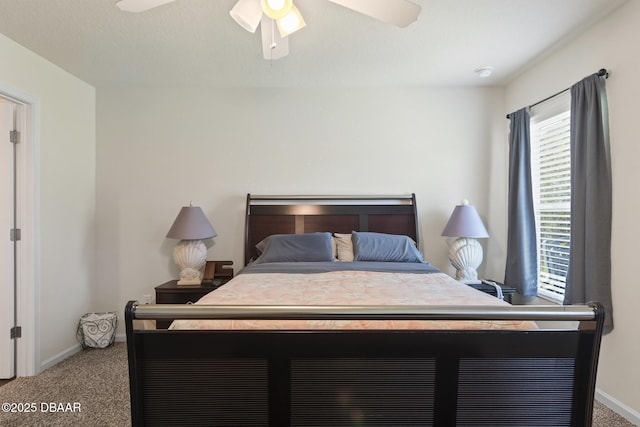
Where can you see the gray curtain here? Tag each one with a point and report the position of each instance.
(589, 274)
(522, 255)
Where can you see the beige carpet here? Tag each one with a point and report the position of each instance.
(96, 379)
(96, 382)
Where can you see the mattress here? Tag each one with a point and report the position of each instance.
(346, 285)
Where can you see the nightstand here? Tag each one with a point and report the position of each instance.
(507, 291)
(172, 293)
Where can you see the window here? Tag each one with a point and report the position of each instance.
(551, 173)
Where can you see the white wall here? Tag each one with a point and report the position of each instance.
(159, 149)
(65, 192)
(611, 44)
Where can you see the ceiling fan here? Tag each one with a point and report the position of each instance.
(280, 18)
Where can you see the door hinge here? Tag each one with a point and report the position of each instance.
(15, 234)
(16, 332)
(13, 136)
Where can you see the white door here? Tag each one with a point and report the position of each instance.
(7, 308)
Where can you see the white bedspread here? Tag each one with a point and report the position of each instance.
(347, 288)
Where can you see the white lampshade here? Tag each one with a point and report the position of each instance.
(276, 9)
(247, 13)
(291, 22)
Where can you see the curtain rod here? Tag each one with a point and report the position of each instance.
(602, 72)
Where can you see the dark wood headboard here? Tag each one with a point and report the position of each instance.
(267, 215)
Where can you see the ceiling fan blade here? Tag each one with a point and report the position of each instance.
(136, 6)
(273, 45)
(396, 12)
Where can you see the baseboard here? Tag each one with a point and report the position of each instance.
(70, 352)
(60, 357)
(618, 407)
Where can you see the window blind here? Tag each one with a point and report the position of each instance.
(551, 173)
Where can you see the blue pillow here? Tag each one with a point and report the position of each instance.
(384, 247)
(308, 247)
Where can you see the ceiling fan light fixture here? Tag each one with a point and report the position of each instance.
(273, 45)
(291, 22)
(276, 9)
(247, 13)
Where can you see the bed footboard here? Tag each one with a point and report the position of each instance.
(364, 377)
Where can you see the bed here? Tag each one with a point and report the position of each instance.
(306, 336)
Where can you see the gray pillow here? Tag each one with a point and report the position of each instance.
(384, 247)
(308, 247)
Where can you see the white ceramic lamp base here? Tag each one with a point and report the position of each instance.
(465, 255)
(190, 256)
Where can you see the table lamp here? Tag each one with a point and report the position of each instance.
(190, 254)
(465, 252)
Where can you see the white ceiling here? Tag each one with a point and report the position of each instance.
(195, 42)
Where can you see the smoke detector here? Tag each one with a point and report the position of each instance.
(483, 71)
